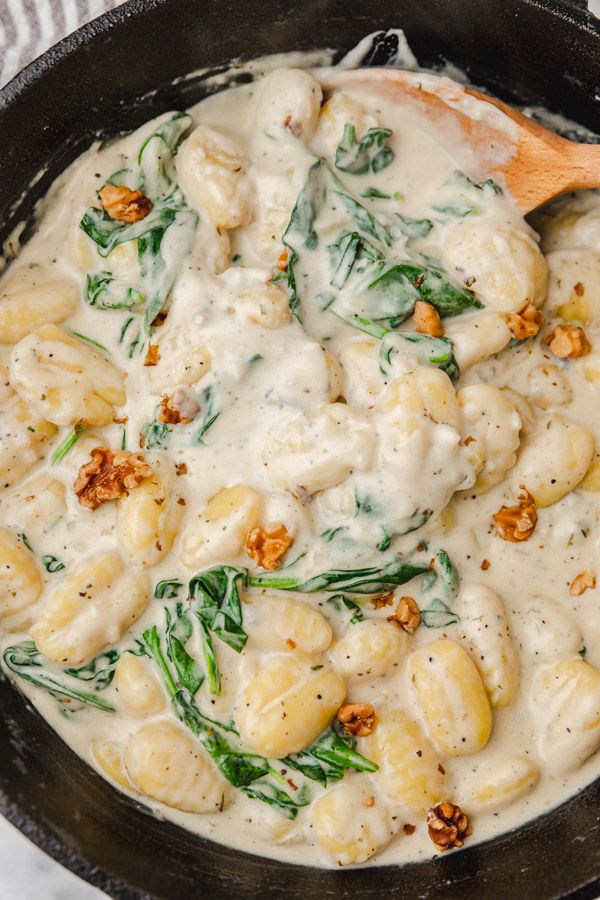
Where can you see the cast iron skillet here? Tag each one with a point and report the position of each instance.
(113, 75)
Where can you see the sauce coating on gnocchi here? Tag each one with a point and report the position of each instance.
(299, 477)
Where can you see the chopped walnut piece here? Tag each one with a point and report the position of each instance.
(119, 202)
(427, 319)
(383, 600)
(485, 565)
(179, 409)
(407, 615)
(181, 469)
(409, 829)
(152, 355)
(266, 546)
(568, 342)
(282, 261)
(581, 583)
(110, 474)
(447, 825)
(357, 718)
(369, 802)
(526, 323)
(121, 421)
(293, 126)
(579, 289)
(516, 523)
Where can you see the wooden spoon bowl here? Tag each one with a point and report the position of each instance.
(534, 163)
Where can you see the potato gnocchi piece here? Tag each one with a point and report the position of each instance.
(548, 386)
(6, 392)
(139, 691)
(319, 451)
(565, 703)
(218, 533)
(478, 338)
(490, 429)
(64, 380)
(275, 197)
(90, 608)
(503, 266)
(263, 304)
(484, 631)
(29, 299)
(350, 823)
(574, 286)
(288, 99)
(20, 582)
(451, 697)
(182, 360)
(83, 254)
(501, 782)
(24, 438)
(548, 632)
(287, 705)
(37, 503)
(211, 171)
(424, 392)
(148, 519)
(170, 766)
(340, 110)
(279, 623)
(554, 459)
(363, 381)
(568, 228)
(410, 773)
(369, 649)
(108, 756)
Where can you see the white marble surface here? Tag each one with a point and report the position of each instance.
(28, 874)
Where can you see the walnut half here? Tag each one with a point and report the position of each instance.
(357, 718)
(427, 319)
(516, 523)
(568, 342)
(526, 323)
(266, 546)
(123, 204)
(407, 615)
(447, 825)
(109, 475)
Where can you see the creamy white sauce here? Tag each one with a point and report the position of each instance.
(267, 380)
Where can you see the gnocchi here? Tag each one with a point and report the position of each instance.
(351, 824)
(148, 519)
(168, 765)
(219, 532)
(20, 582)
(89, 609)
(25, 306)
(451, 697)
(369, 649)
(287, 705)
(491, 426)
(63, 379)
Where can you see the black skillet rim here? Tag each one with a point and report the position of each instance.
(453, 871)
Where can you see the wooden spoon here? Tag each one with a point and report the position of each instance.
(535, 164)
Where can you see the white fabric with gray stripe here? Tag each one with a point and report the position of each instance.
(28, 27)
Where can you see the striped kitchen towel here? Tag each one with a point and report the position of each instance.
(28, 27)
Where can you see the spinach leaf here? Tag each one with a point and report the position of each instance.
(274, 796)
(25, 661)
(438, 615)
(210, 414)
(341, 602)
(156, 435)
(366, 223)
(52, 564)
(102, 291)
(210, 659)
(215, 600)
(329, 534)
(100, 670)
(371, 580)
(300, 231)
(398, 285)
(66, 444)
(167, 589)
(179, 631)
(346, 252)
(428, 350)
(460, 180)
(415, 228)
(458, 210)
(329, 757)
(369, 154)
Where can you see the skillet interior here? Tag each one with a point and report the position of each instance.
(104, 77)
